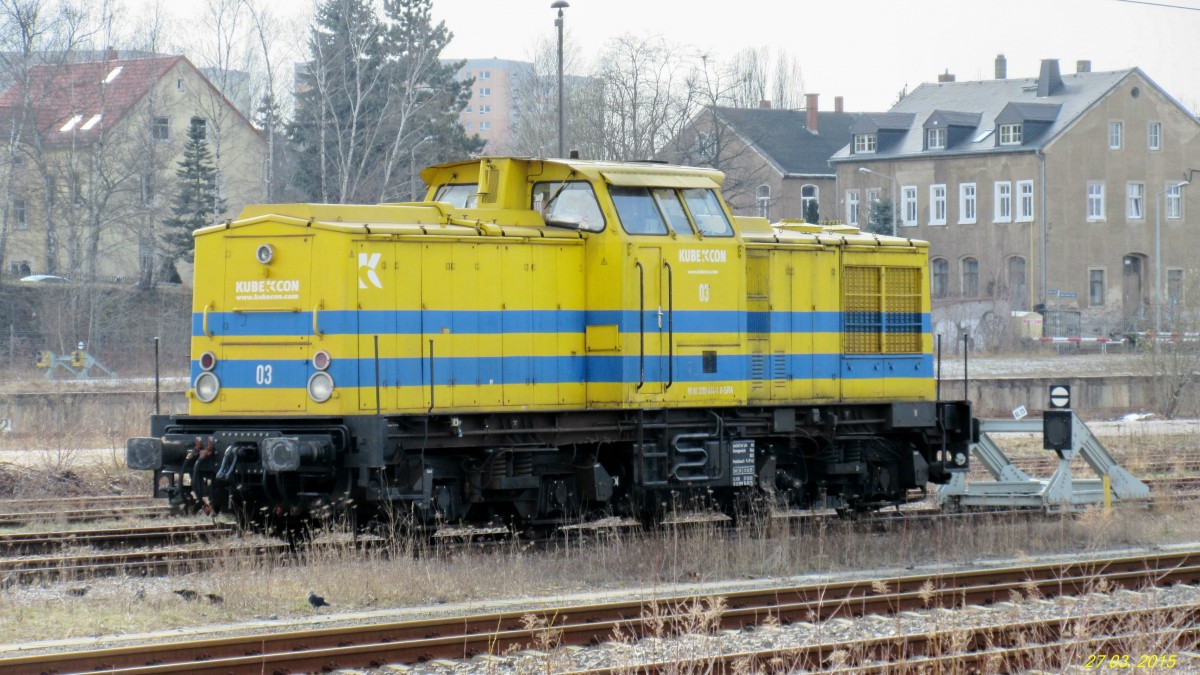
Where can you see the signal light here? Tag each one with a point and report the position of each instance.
(321, 360)
(208, 361)
(1056, 429)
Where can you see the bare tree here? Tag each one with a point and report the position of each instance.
(787, 83)
(748, 75)
(646, 97)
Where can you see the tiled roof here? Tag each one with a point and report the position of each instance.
(987, 98)
(69, 97)
(783, 137)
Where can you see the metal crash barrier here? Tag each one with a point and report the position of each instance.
(1066, 434)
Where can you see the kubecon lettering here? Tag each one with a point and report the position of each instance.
(706, 255)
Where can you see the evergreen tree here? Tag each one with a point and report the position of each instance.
(879, 220)
(374, 88)
(810, 213)
(196, 203)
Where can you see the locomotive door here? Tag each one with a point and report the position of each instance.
(650, 317)
(389, 293)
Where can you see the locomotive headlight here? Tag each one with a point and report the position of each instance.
(207, 386)
(321, 360)
(320, 387)
(265, 253)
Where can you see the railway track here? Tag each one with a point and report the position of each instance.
(26, 518)
(33, 543)
(466, 636)
(75, 503)
(154, 562)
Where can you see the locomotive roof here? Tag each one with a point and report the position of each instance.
(592, 170)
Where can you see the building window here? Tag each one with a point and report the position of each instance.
(762, 195)
(864, 143)
(1010, 134)
(203, 125)
(1095, 288)
(160, 128)
(939, 277)
(485, 74)
(1135, 201)
(1174, 201)
(1114, 135)
(1154, 140)
(809, 202)
(1174, 289)
(467, 126)
(908, 204)
(937, 204)
(484, 126)
(179, 84)
(873, 195)
(485, 91)
(20, 217)
(1024, 201)
(1095, 200)
(485, 109)
(936, 138)
(1018, 293)
(970, 278)
(1003, 211)
(852, 207)
(76, 190)
(966, 204)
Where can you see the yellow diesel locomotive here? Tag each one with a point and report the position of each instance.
(542, 340)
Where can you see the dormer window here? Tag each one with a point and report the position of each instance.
(936, 138)
(1010, 134)
(864, 143)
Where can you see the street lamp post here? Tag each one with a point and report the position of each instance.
(560, 5)
(412, 168)
(895, 187)
(1158, 289)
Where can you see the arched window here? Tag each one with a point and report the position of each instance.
(1018, 288)
(939, 277)
(762, 196)
(809, 199)
(970, 278)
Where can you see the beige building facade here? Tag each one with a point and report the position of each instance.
(94, 170)
(1053, 192)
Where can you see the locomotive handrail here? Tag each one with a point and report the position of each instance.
(641, 323)
(316, 324)
(204, 320)
(670, 325)
(430, 375)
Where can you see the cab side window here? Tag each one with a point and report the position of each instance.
(637, 210)
(668, 201)
(461, 196)
(707, 212)
(573, 202)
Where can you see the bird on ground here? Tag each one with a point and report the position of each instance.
(214, 598)
(316, 600)
(187, 594)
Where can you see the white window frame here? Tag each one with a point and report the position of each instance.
(485, 91)
(1095, 201)
(1024, 201)
(1135, 200)
(485, 109)
(815, 197)
(762, 196)
(1154, 136)
(20, 209)
(1174, 201)
(937, 204)
(967, 204)
(1002, 206)
(852, 207)
(485, 74)
(1116, 133)
(865, 144)
(1010, 134)
(935, 138)
(908, 201)
(485, 125)
(163, 123)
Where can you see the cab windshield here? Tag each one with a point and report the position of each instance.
(462, 196)
(569, 202)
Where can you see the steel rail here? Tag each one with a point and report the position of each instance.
(459, 637)
(154, 562)
(32, 543)
(82, 516)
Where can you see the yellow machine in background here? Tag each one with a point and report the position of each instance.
(549, 337)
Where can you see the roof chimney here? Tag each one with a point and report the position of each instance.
(765, 104)
(837, 104)
(1083, 66)
(1050, 81)
(810, 106)
(946, 76)
(1001, 67)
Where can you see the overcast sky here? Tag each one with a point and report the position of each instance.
(864, 50)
